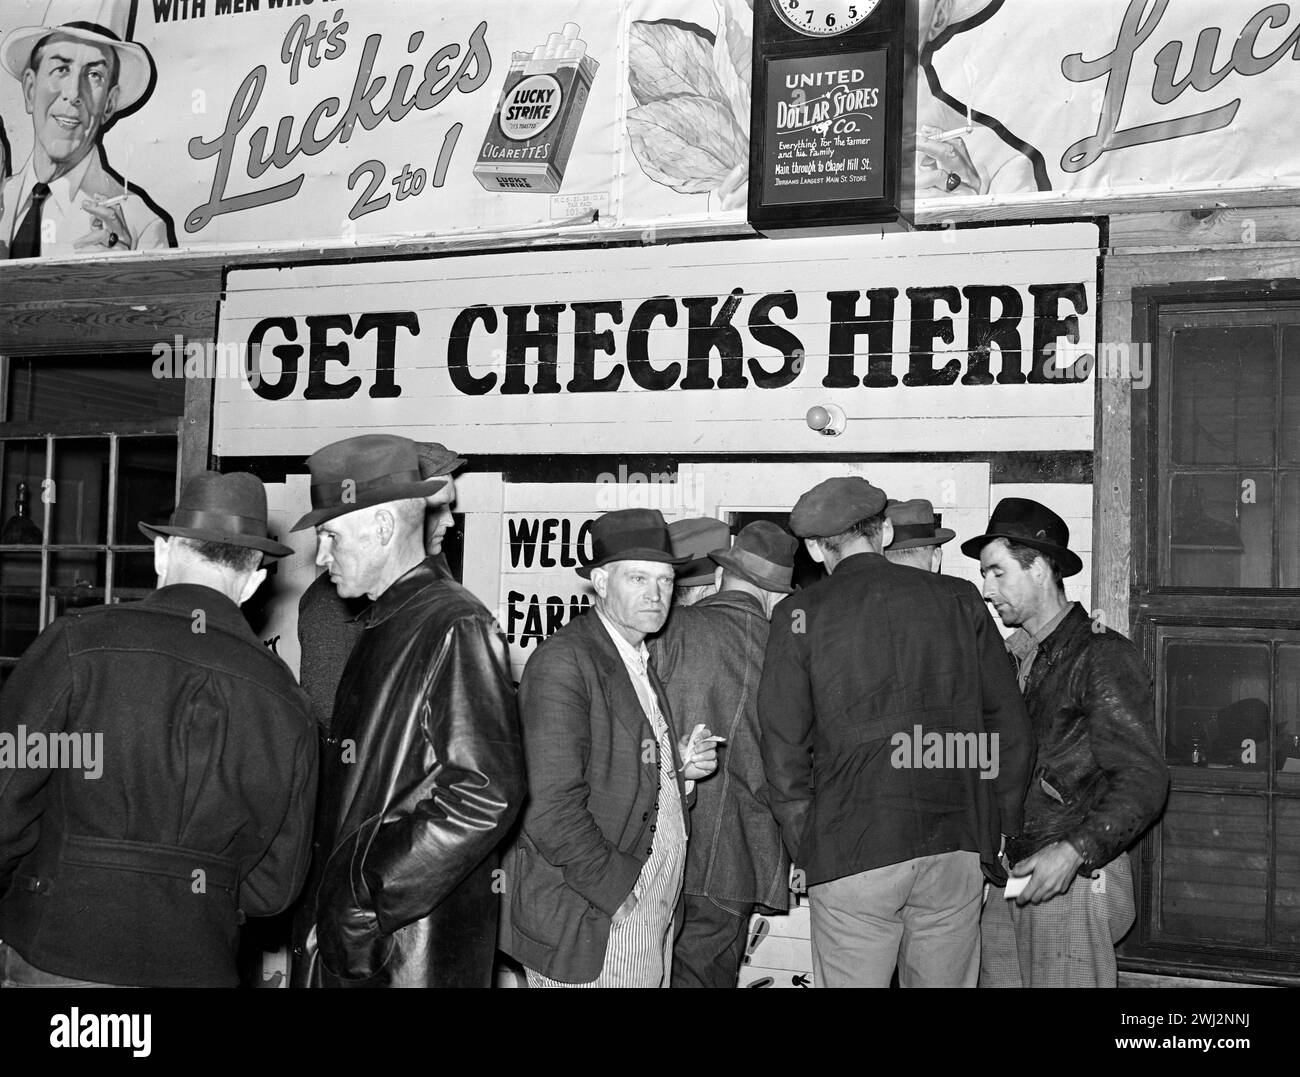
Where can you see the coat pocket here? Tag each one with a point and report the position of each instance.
(348, 936)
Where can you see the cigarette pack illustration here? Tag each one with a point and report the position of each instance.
(536, 121)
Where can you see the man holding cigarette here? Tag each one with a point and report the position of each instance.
(594, 877)
(76, 78)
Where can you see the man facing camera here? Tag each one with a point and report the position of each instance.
(594, 878)
(423, 770)
(192, 807)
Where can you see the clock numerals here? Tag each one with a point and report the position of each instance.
(817, 21)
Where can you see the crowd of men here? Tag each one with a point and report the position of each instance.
(708, 736)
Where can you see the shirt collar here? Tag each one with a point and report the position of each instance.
(62, 190)
(1020, 642)
(637, 656)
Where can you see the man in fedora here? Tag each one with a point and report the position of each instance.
(896, 749)
(422, 772)
(593, 879)
(696, 538)
(76, 78)
(330, 625)
(191, 807)
(918, 538)
(1101, 777)
(710, 658)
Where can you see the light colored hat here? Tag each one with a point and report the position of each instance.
(105, 23)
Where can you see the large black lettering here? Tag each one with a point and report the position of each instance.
(983, 331)
(926, 328)
(847, 325)
(587, 341)
(638, 344)
(458, 351)
(288, 354)
(520, 340)
(320, 353)
(705, 334)
(1048, 329)
(523, 541)
(387, 324)
(765, 332)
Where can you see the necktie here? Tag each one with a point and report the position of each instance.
(27, 240)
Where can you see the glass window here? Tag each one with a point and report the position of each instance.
(1216, 705)
(101, 388)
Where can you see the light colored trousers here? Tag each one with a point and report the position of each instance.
(921, 916)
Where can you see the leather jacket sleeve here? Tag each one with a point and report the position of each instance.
(1133, 779)
(459, 812)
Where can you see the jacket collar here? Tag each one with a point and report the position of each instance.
(404, 589)
(861, 562)
(185, 599)
(736, 600)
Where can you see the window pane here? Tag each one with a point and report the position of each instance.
(133, 576)
(1286, 907)
(146, 485)
(1287, 724)
(1216, 704)
(1223, 395)
(76, 580)
(80, 491)
(90, 388)
(1289, 450)
(1288, 511)
(1221, 529)
(20, 601)
(22, 463)
(1214, 868)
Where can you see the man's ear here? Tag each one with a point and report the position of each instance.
(936, 558)
(939, 21)
(815, 551)
(110, 105)
(161, 557)
(29, 89)
(385, 526)
(250, 587)
(886, 533)
(600, 581)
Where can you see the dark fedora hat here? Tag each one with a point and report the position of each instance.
(630, 535)
(916, 524)
(361, 472)
(763, 554)
(1027, 523)
(221, 508)
(695, 538)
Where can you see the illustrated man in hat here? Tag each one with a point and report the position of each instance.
(710, 658)
(594, 877)
(896, 749)
(918, 538)
(1101, 777)
(696, 538)
(329, 625)
(77, 77)
(422, 774)
(186, 802)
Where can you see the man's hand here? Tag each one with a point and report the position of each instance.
(1053, 869)
(624, 910)
(108, 228)
(699, 753)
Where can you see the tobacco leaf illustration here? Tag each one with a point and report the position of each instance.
(666, 60)
(733, 56)
(688, 143)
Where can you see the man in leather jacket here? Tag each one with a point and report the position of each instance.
(423, 769)
(1101, 778)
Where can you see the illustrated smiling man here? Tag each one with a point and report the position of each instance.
(76, 78)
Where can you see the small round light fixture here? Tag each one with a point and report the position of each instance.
(826, 419)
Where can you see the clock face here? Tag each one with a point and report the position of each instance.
(824, 18)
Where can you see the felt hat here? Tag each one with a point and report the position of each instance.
(1028, 523)
(696, 537)
(916, 524)
(630, 535)
(221, 508)
(763, 553)
(364, 471)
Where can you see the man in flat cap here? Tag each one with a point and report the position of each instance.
(176, 776)
(593, 879)
(329, 625)
(697, 538)
(896, 749)
(710, 658)
(918, 538)
(1101, 777)
(423, 771)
